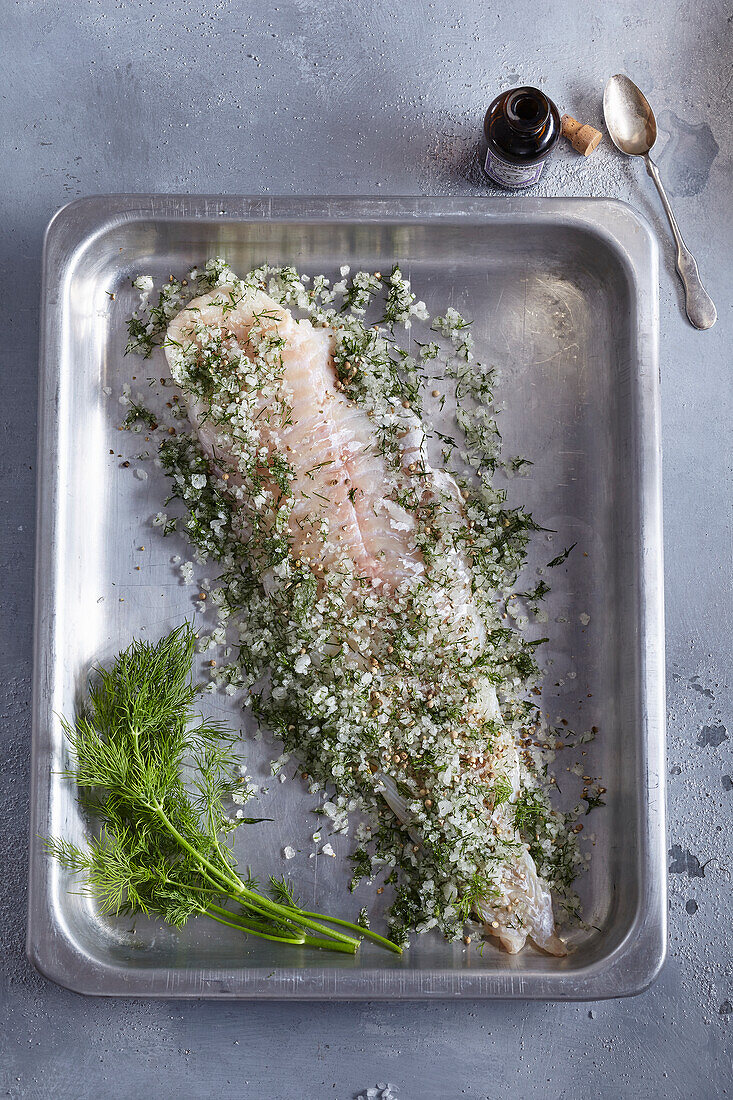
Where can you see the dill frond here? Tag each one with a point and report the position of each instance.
(160, 849)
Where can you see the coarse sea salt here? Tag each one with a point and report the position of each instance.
(331, 722)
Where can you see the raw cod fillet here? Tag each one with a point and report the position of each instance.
(329, 442)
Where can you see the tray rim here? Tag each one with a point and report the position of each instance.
(637, 960)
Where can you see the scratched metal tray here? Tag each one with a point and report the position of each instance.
(564, 296)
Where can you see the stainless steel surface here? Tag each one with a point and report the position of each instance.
(633, 129)
(564, 296)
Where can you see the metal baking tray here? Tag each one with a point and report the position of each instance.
(564, 297)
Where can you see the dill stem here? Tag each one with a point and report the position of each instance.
(242, 927)
(331, 945)
(252, 924)
(257, 910)
(295, 916)
(156, 807)
(365, 932)
(254, 900)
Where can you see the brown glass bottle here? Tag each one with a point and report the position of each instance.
(521, 128)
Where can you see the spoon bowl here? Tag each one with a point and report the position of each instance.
(633, 129)
(629, 118)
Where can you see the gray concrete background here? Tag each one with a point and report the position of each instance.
(375, 98)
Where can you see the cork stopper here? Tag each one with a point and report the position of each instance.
(583, 138)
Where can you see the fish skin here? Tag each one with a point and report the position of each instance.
(329, 444)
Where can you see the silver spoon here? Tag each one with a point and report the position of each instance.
(633, 129)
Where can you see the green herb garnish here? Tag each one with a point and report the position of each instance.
(305, 631)
(561, 557)
(161, 848)
(537, 593)
(139, 413)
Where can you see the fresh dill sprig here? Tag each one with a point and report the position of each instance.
(160, 848)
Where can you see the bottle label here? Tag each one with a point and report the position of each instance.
(512, 175)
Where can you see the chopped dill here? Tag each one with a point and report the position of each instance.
(539, 592)
(561, 557)
(336, 668)
(139, 413)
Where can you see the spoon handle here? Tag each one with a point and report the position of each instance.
(698, 303)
